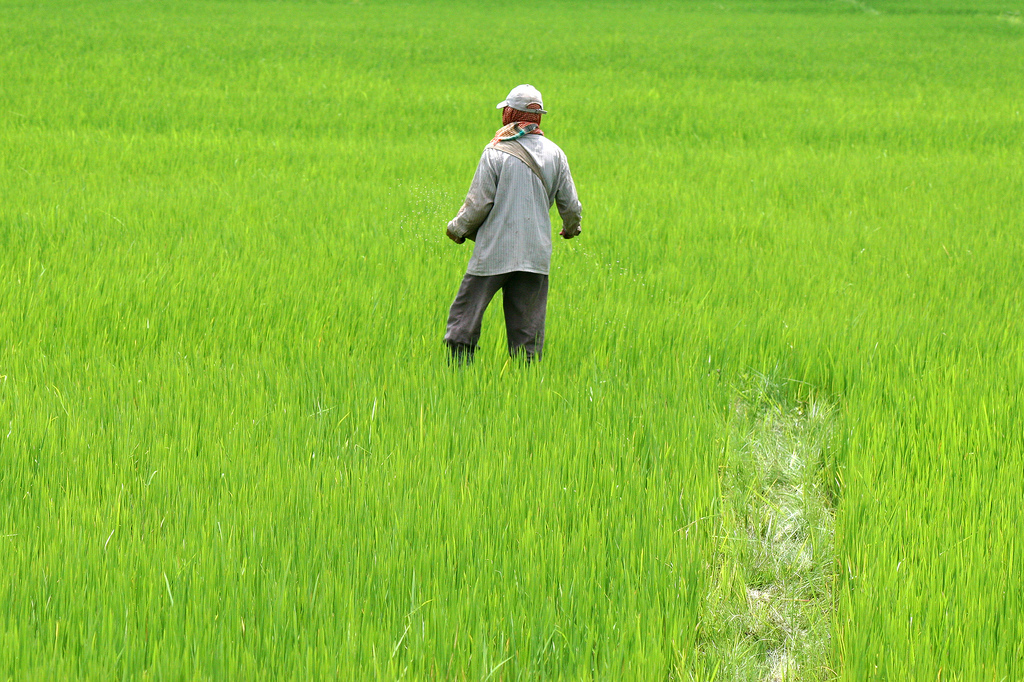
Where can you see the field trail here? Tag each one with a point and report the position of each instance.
(771, 602)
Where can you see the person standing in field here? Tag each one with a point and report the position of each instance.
(520, 175)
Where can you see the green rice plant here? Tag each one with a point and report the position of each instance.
(231, 447)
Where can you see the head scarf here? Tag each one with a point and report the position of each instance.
(515, 124)
(510, 115)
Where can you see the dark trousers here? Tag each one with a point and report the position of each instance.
(524, 297)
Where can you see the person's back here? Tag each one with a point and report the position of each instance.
(516, 234)
(520, 175)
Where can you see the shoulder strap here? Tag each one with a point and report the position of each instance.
(517, 150)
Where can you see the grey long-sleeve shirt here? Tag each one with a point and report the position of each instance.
(509, 205)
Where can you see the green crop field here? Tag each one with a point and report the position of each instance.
(777, 432)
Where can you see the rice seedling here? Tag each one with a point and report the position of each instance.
(231, 447)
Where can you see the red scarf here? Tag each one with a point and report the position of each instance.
(515, 124)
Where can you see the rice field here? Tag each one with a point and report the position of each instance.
(777, 431)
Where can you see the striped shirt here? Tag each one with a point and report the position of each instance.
(507, 206)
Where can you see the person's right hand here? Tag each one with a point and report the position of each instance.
(567, 235)
(457, 240)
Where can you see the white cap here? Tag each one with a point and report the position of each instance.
(521, 97)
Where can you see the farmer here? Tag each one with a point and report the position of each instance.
(520, 175)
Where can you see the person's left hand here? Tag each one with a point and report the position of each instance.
(457, 240)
